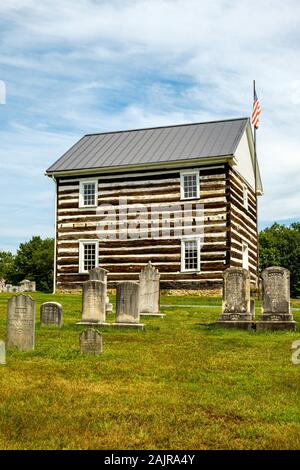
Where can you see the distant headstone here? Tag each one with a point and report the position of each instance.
(127, 310)
(27, 286)
(109, 306)
(237, 308)
(91, 342)
(93, 303)
(276, 310)
(149, 291)
(2, 353)
(2, 285)
(21, 322)
(9, 287)
(51, 314)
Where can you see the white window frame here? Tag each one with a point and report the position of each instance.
(81, 193)
(183, 241)
(187, 173)
(82, 243)
(245, 196)
(245, 255)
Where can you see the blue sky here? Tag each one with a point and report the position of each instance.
(72, 67)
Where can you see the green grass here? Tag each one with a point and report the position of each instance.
(182, 383)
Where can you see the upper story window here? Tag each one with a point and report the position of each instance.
(189, 184)
(88, 255)
(88, 193)
(245, 196)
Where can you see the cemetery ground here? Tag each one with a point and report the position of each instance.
(182, 383)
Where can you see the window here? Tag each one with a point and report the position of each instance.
(88, 193)
(245, 255)
(189, 184)
(88, 255)
(245, 196)
(190, 255)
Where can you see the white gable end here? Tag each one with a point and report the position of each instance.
(244, 163)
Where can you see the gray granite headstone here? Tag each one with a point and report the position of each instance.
(127, 310)
(51, 314)
(91, 342)
(21, 322)
(2, 353)
(93, 302)
(149, 291)
(276, 310)
(237, 310)
(27, 286)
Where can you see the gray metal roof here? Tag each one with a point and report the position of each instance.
(153, 145)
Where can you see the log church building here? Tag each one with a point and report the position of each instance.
(146, 181)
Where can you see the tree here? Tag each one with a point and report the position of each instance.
(6, 265)
(34, 261)
(280, 246)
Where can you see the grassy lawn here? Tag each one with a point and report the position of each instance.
(181, 383)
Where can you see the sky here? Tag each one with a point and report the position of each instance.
(72, 67)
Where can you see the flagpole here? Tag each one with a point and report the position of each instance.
(255, 189)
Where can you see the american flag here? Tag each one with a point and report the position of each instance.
(256, 111)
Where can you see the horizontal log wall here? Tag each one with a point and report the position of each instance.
(242, 223)
(125, 258)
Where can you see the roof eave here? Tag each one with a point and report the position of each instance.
(115, 169)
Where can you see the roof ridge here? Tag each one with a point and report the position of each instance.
(168, 126)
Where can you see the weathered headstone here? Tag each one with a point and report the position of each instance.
(237, 308)
(276, 310)
(27, 286)
(127, 310)
(149, 291)
(51, 314)
(21, 322)
(2, 285)
(91, 342)
(2, 353)
(93, 303)
(100, 274)
(8, 287)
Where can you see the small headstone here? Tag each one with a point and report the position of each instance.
(2, 353)
(237, 309)
(91, 342)
(2, 285)
(27, 286)
(51, 314)
(93, 303)
(9, 287)
(150, 291)
(109, 306)
(21, 322)
(127, 310)
(276, 310)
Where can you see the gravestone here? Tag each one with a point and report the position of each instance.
(51, 314)
(2, 285)
(27, 286)
(21, 322)
(149, 291)
(276, 310)
(127, 310)
(93, 303)
(2, 353)
(100, 274)
(8, 288)
(91, 342)
(237, 307)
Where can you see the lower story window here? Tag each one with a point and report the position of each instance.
(88, 255)
(190, 255)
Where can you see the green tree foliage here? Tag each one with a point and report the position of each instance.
(280, 246)
(34, 261)
(6, 265)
